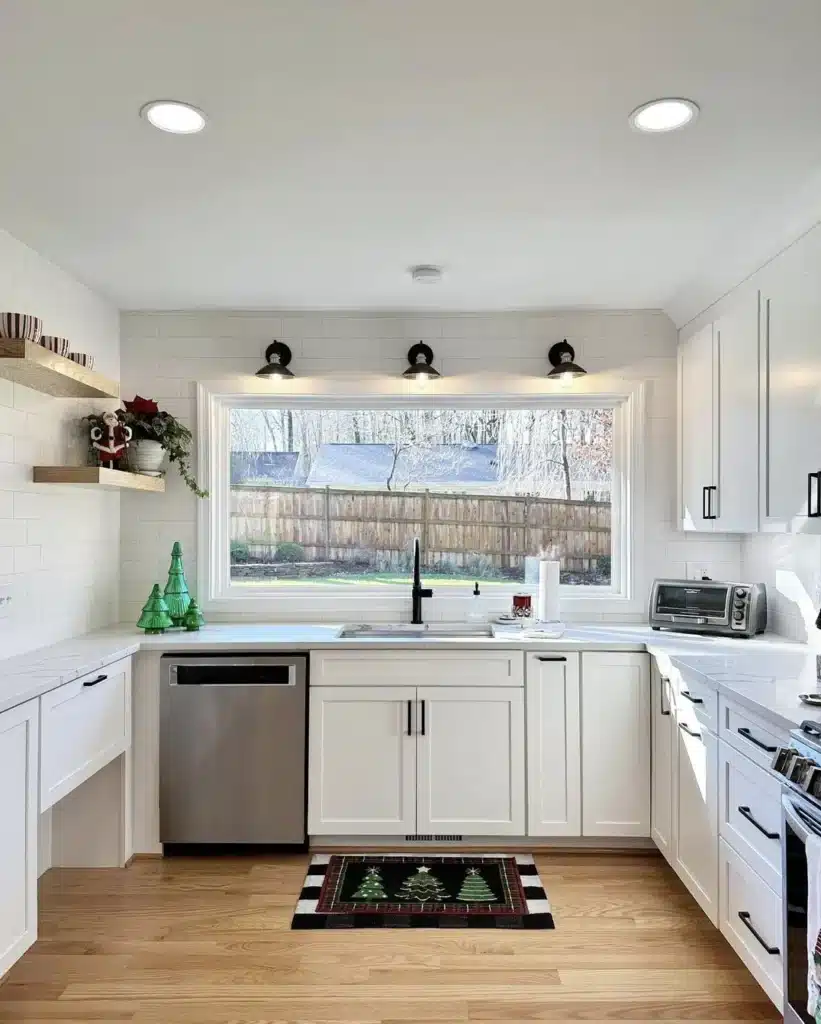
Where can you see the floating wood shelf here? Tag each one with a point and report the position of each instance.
(96, 476)
(36, 367)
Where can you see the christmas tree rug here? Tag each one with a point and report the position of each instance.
(369, 890)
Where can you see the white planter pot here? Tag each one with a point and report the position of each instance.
(146, 457)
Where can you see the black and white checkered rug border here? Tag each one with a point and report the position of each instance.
(538, 914)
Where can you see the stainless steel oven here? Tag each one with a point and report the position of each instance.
(800, 767)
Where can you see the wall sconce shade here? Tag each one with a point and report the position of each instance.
(420, 358)
(277, 357)
(562, 356)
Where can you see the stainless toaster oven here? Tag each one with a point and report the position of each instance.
(707, 606)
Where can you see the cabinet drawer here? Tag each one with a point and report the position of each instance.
(750, 813)
(750, 920)
(748, 733)
(696, 703)
(83, 725)
(418, 668)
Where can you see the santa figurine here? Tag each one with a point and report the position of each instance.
(110, 440)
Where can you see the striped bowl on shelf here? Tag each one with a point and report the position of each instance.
(20, 327)
(62, 346)
(82, 359)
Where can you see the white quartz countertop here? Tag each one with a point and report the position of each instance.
(766, 674)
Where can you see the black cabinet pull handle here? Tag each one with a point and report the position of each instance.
(686, 728)
(410, 718)
(704, 511)
(93, 682)
(745, 732)
(745, 920)
(663, 681)
(551, 657)
(707, 502)
(688, 696)
(423, 717)
(814, 508)
(746, 813)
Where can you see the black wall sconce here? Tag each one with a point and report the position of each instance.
(562, 356)
(420, 359)
(277, 357)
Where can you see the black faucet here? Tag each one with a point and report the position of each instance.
(418, 591)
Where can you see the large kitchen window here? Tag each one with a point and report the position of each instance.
(323, 498)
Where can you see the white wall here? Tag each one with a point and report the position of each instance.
(165, 354)
(59, 548)
(790, 565)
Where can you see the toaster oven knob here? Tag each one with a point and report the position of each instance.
(738, 616)
(741, 592)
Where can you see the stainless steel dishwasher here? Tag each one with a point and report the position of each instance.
(232, 750)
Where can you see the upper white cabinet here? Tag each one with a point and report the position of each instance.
(18, 850)
(554, 788)
(718, 421)
(791, 389)
(615, 716)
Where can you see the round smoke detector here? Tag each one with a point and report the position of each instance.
(426, 273)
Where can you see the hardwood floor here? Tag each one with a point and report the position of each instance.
(208, 942)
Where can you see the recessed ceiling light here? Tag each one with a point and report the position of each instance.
(663, 115)
(175, 117)
(426, 273)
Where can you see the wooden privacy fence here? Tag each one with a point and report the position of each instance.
(333, 524)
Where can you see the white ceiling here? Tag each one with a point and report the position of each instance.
(349, 139)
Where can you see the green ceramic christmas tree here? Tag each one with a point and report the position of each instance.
(475, 889)
(193, 619)
(176, 589)
(155, 617)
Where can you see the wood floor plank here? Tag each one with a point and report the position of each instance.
(186, 941)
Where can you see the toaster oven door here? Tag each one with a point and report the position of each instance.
(683, 602)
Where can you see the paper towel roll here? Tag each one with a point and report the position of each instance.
(547, 603)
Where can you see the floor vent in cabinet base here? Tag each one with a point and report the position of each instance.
(433, 839)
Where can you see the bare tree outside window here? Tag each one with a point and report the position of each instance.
(330, 496)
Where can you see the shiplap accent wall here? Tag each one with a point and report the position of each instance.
(59, 547)
(165, 354)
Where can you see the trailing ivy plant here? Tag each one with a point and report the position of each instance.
(148, 423)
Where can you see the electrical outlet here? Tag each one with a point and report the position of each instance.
(697, 571)
(5, 600)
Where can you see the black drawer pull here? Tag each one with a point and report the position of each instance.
(746, 813)
(688, 696)
(551, 657)
(686, 728)
(745, 732)
(745, 920)
(93, 682)
(814, 512)
(410, 718)
(664, 683)
(423, 717)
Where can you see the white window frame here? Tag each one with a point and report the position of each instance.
(215, 399)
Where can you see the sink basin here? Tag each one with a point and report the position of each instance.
(405, 631)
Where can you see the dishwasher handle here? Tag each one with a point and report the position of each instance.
(226, 684)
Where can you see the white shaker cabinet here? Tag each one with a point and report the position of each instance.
(554, 785)
(663, 776)
(791, 392)
(362, 761)
(19, 741)
(615, 715)
(470, 761)
(695, 801)
(718, 421)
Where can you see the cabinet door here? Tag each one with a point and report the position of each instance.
(615, 744)
(361, 761)
(791, 369)
(661, 814)
(696, 429)
(696, 813)
(18, 849)
(553, 746)
(735, 389)
(471, 761)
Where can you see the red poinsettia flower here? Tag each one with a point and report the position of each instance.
(142, 406)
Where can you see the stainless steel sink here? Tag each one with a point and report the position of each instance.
(405, 631)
